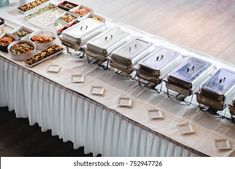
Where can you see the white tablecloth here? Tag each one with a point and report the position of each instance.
(78, 119)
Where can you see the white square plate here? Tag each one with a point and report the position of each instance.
(223, 144)
(97, 90)
(78, 78)
(155, 114)
(54, 68)
(186, 128)
(124, 102)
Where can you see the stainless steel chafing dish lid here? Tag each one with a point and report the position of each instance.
(108, 41)
(86, 29)
(221, 83)
(160, 60)
(132, 51)
(190, 71)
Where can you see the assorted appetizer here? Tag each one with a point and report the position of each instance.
(67, 5)
(21, 48)
(22, 33)
(67, 18)
(42, 38)
(44, 54)
(82, 11)
(28, 6)
(98, 18)
(5, 41)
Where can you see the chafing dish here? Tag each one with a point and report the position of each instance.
(129, 54)
(188, 76)
(218, 90)
(77, 35)
(102, 46)
(158, 64)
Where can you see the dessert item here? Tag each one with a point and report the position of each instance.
(66, 5)
(28, 6)
(46, 53)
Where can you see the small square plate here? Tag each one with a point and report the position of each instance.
(186, 128)
(223, 144)
(155, 114)
(78, 78)
(97, 90)
(125, 102)
(54, 68)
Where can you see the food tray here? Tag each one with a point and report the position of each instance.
(82, 12)
(131, 52)
(83, 31)
(67, 18)
(160, 62)
(97, 17)
(47, 58)
(108, 41)
(5, 47)
(28, 30)
(31, 5)
(6, 28)
(45, 16)
(67, 5)
(190, 73)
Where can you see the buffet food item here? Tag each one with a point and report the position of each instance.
(42, 39)
(83, 31)
(2, 21)
(21, 50)
(158, 64)
(66, 5)
(5, 41)
(44, 55)
(22, 32)
(188, 76)
(67, 18)
(105, 43)
(28, 6)
(82, 11)
(97, 17)
(218, 90)
(60, 27)
(45, 16)
(5, 28)
(129, 54)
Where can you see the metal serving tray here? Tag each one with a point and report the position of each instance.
(160, 62)
(188, 75)
(102, 45)
(130, 53)
(83, 31)
(218, 90)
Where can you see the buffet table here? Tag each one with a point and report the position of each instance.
(70, 111)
